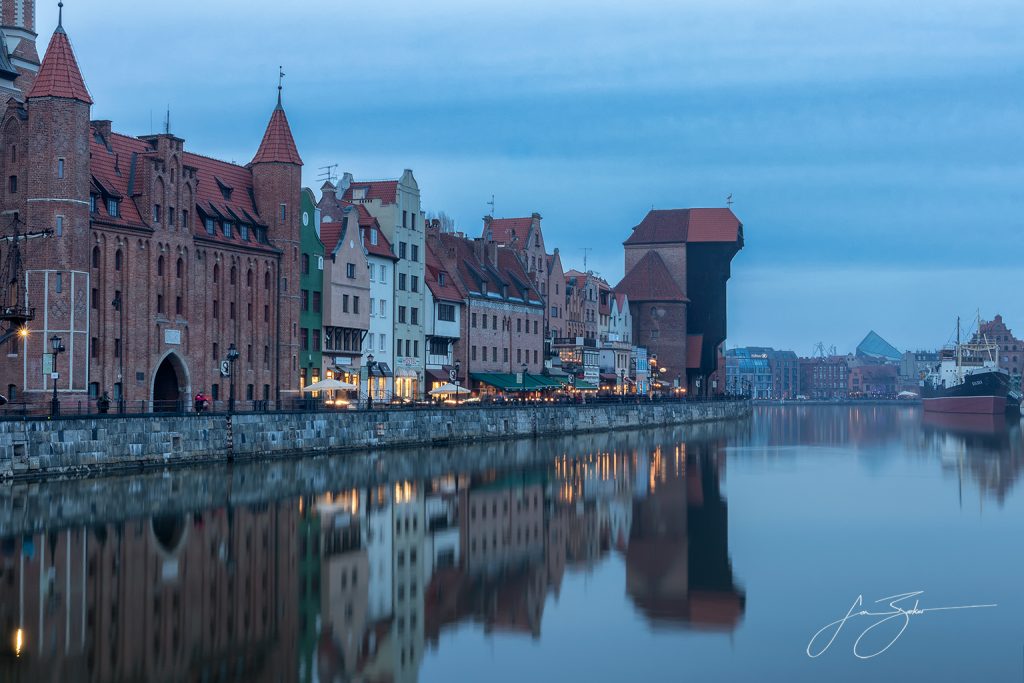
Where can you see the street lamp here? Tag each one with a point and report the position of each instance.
(232, 357)
(57, 344)
(370, 365)
(622, 381)
(523, 394)
(458, 369)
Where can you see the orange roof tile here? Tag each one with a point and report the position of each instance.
(686, 225)
(278, 145)
(59, 75)
(384, 190)
(649, 280)
(504, 229)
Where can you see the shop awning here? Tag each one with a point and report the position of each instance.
(381, 370)
(585, 386)
(506, 381)
(405, 372)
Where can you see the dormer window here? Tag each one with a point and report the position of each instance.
(373, 236)
(442, 278)
(359, 193)
(227, 229)
(210, 227)
(225, 189)
(243, 230)
(113, 208)
(92, 203)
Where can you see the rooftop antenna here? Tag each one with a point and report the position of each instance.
(586, 251)
(728, 200)
(280, 84)
(327, 173)
(167, 121)
(491, 204)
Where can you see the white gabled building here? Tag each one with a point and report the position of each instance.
(617, 343)
(444, 303)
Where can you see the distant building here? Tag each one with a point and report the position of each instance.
(1011, 349)
(825, 377)
(914, 365)
(873, 381)
(875, 348)
(748, 371)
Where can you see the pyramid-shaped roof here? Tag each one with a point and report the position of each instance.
(278, 144)
(59, 75)
(876, 347)
(650, 280)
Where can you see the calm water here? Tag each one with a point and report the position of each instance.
(706, 554)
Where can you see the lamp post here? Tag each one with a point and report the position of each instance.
(370, 365)
(57, 345)
(522, 395)
(622, 381)
(232, 357)
(458, 369)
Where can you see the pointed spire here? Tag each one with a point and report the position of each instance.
(278, 144)
(280, 85)
(59, 75)
(60, 17)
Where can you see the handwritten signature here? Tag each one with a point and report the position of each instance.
(898, 617)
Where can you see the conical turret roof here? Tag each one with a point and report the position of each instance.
(59, 75)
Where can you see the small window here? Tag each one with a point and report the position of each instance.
(179, 268)
(113, 208)
(284, 212)
(60, 168)
(210, 227)
(227, 229)
(350, 270)
(117, 260)
(59, 286)
(60, 225)
(414, 252)
(160, 265)
(373, 236)
(95, 257)
(13, 184)
(156, 213)
(170, 216)
(305, 264)
(184, 218)
(92, 203)
(243, 231)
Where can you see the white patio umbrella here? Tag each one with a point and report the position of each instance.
(329, 385)
(906, 394)
(448, 389)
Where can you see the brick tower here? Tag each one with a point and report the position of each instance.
(277, 184)
(54, 185)
(19, 60)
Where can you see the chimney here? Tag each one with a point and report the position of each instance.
(478, 249)
(102, 127)
(329, 192)
(346, 182)
(492, 252)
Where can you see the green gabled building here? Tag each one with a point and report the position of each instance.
(311, 292)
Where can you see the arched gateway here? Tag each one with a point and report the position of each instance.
(170, 385)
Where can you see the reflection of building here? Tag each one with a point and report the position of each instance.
(166, 598)
(677, 564)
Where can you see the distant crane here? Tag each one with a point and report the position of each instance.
(822, 351)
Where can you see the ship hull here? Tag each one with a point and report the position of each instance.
(982, 393)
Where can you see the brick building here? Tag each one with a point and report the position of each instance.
(502, 318)
(1011, 349)
(677, 265)
(825, 378)
(159, 260)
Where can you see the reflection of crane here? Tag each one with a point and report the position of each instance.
(14, 308)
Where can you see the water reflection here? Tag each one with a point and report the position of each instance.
(354, 583)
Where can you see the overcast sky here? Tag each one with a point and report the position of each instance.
(874, 149)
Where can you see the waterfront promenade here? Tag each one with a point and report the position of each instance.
(34, 448)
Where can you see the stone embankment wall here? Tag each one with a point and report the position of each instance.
(36, 448)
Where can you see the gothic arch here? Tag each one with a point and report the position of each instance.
(170, 388)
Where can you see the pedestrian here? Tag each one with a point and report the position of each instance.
(103, 403)
(200, 402)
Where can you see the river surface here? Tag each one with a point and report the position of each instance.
(707, 553)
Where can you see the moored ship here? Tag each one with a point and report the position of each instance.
(968, 379)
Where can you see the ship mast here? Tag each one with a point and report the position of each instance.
(959, 352)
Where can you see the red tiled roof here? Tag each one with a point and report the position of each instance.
(503, 229)
(384, 190)
(694, 347)
(620, 299)
(278, 144)
(330, 233)
(449, 291)
(649, 280)
(383, 247)
(59, 75)
(470, 271)
(111, 171)
(686, 225)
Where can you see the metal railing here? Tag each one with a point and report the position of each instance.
(71, 409)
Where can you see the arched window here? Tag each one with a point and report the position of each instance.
(180, 268)
(234, 274)
(160, 265)
(216, 272)
(95, 257)
(266, 280)
(248, 278)
(117, 260)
